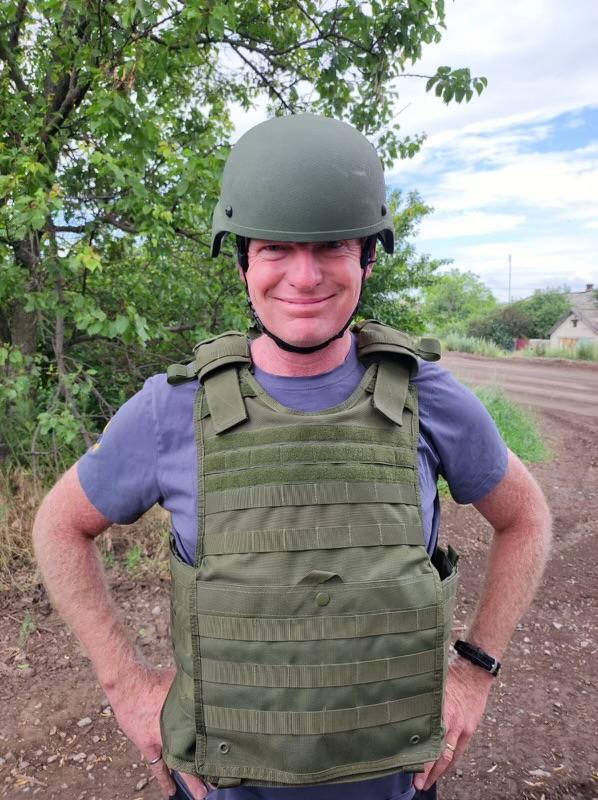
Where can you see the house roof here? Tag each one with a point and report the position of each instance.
(589, 316)
(583, 301)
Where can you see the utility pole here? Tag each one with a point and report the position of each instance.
(509, 279)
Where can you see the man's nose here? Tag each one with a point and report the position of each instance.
(304, 271)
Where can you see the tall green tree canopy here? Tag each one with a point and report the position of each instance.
(115, 122)
(454, 299)
(544, 309)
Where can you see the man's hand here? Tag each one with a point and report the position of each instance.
(465, 698)
(137, 702)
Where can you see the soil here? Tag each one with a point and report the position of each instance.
(537, 741)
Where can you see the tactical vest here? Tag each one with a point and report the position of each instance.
(311, 634)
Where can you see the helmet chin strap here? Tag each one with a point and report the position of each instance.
(365, 260)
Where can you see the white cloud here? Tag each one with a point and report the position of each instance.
(554, 180)
(474, 223)
(540, 58)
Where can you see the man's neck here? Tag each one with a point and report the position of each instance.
(266, 355)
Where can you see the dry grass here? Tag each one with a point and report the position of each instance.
(140, 548)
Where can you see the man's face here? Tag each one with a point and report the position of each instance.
(304, 293)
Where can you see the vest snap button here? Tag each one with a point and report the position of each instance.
(223, 747)
(414, 739)
(322, 598)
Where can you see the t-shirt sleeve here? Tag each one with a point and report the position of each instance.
(119, 473)
(472, 454)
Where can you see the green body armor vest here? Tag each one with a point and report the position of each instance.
(311, 635)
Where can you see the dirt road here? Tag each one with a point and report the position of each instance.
(538, 739)
(541, 383)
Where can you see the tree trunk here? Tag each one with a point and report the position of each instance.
(24, 325)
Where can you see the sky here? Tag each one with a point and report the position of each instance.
(515, 171)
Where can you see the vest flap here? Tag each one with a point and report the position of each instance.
(227, 349)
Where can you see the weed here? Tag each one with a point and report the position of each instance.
(133, 557)
(28, 626)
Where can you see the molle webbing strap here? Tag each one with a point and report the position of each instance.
(216, 363)
(303, 629)
(309, 723)
(317, 538)
(312, 676)
(299, 494)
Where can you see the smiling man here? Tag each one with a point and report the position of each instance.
(311, 601)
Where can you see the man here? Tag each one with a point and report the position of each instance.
(311, 604)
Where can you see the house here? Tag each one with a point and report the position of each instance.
(580, 324)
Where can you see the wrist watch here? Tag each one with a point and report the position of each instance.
(477, 656)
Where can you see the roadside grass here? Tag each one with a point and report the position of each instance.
(457, 342)
(584, 351)
(471, 344)
(517, 426)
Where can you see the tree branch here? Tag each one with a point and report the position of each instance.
(7, 56)
(265, 81)
(13, 42)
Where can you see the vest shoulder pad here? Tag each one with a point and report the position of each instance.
(230, 348)
(376, 340)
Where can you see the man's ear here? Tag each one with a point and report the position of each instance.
(242, 273)
(372, 260)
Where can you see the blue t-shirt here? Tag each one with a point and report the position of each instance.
(147, 455)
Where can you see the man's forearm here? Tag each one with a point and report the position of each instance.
(72, 571)
(515, 565)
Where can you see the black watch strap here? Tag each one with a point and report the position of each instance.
(477, 656)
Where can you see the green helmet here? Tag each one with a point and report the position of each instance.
(303, 178)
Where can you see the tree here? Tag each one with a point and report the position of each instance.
(502, 325)
(454, 299)
(391, 293)
(115, 121)
(544, 308)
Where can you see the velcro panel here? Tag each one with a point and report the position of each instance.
(308, 453)
(293, 473)
(312, 432)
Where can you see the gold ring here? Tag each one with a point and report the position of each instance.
(155, 760)
(451, 747)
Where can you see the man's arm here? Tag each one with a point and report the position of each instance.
(518, 512)
(63, 536)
